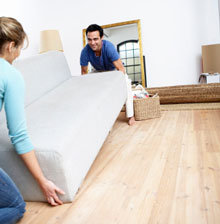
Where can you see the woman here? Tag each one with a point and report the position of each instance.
(12, 205)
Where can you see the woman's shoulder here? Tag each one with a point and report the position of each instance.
(8, 69)
(8, 72)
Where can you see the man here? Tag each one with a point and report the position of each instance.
(104, 57)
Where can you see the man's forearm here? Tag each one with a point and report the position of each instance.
(119, 66)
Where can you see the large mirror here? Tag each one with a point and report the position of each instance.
(126, 36)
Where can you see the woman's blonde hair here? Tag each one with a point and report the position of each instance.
(11, 30)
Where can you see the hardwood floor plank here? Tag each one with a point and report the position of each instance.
(164, 170)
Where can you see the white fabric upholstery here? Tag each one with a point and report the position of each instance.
(42, 73)
(68, 121)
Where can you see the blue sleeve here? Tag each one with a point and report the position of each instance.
(112, 53)
(84, 58)
(14, 108)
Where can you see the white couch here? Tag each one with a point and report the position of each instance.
(68, 119)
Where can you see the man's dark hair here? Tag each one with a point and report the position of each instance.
(95, 27)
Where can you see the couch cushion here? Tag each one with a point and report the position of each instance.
(42, 73)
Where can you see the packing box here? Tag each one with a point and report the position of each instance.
(211, 58)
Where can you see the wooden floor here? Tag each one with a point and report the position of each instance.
(164, 170)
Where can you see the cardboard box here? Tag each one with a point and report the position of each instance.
(211, 58)
(212, 78)
(209, 78)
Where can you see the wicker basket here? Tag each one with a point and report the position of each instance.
(147, 108)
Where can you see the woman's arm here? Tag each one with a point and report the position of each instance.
(49, 189)
(13, 86)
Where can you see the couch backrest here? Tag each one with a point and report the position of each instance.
(42, 73)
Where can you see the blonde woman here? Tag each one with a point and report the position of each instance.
(12, 206)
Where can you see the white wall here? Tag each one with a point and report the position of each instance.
(10, 8)
(219, 14)
(172, 31)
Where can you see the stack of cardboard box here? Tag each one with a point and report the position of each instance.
(211, 64)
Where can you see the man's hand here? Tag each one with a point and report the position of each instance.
(84, 70)
(118, 65)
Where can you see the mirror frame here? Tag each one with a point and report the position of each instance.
(139, 38)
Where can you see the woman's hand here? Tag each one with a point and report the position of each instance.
(50, 191)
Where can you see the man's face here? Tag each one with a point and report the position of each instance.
(94, 40)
